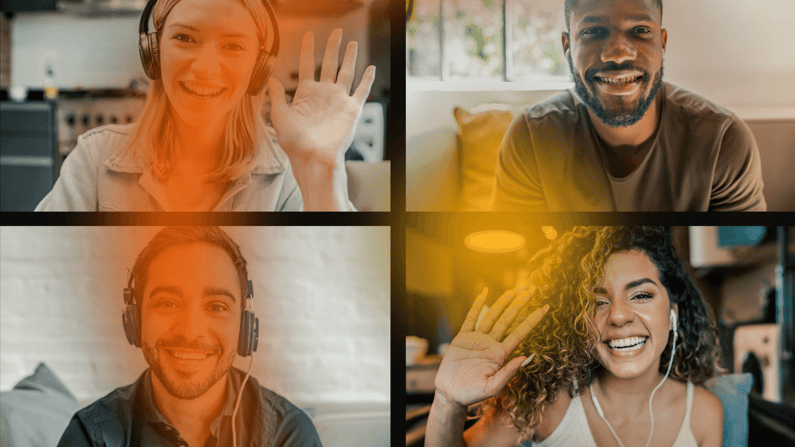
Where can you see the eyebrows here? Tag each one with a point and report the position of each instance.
(193, 28)
(601, 19)
(628, 286)
(207, 292)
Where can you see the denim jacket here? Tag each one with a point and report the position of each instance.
(101, 175)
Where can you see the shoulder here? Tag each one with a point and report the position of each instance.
(706, 418)
(689, 110)
(109, 419)
(286, 424)
(562, 107)
(105, 140)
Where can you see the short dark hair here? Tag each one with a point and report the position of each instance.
(571, 5)
(170, 236)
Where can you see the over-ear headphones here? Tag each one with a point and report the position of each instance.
(249, 324)
(149, 50)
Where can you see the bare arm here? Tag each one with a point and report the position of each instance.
(474, 369)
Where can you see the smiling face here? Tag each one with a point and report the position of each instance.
(208, 49)
(632, 315)
(190, 317)
(615, 50)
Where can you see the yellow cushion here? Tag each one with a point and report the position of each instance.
(479, 137)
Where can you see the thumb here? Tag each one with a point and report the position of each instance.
(276, 89)
(507, 372)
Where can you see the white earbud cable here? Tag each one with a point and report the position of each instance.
(239, 395)
(601, 413)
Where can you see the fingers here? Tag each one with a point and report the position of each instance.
(487, 322)
(328, 71)
(521, 331)
(507, 317)
(306, 58)
(276, 90)
(345, 76)
(504, 375)
(363, 90)
(474, 312)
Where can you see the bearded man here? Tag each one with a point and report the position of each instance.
(186, 308)
(624, 140)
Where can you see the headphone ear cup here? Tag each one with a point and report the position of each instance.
(132, 325)
(149, 51)
(261, 72)
(154, 49)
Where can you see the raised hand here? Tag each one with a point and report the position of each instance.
(472, 369)
(320, 123)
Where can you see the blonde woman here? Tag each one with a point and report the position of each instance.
(201, 143)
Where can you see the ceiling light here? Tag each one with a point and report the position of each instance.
(494, 241)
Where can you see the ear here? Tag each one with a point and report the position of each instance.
(564, 39)
(664, 36)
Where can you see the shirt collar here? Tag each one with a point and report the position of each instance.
(153, 416)
(271, 159)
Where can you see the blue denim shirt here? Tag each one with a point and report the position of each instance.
(128, 416)
(101, 175)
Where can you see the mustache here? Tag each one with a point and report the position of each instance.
(612, 66)
(178, 343)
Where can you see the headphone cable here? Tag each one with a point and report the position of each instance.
(237, 403)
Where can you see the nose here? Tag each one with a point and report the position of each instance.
(618, 49)
(620, 314)
(190, 324)
(207, 61)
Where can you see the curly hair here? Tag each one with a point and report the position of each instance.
(565, 275)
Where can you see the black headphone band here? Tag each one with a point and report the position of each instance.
(143, 25)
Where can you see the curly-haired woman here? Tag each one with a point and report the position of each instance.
(595, 369)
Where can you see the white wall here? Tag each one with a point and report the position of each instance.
(102, 52)
(737, 53)
(321, 295)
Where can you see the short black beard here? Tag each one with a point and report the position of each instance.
(622, 119)
(181, 386)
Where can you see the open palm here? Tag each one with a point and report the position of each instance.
(472, 369)
(320, 123)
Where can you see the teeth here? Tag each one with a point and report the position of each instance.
(188, 355)
(619, 81)
(202, 91)
(633, 342)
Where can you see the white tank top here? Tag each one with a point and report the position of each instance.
(573, 430)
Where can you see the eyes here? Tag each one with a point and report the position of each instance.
(185, 39)
(598, 32)
(167, 304)
(636, 297)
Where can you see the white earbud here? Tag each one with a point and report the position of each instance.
(673, 319)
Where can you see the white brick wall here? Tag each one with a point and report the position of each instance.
(321, 294)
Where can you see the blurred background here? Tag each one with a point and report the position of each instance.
(84, 55)
(744, 273)
(492, 58)
(321, 295)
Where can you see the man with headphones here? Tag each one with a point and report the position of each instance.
(188, 307)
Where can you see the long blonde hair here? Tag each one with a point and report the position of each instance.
(153, 134)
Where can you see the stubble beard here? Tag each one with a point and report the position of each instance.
(179, 384)
(622, 118)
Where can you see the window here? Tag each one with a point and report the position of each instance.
(486, 40)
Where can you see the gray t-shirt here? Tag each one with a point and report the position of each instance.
(703, 158)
